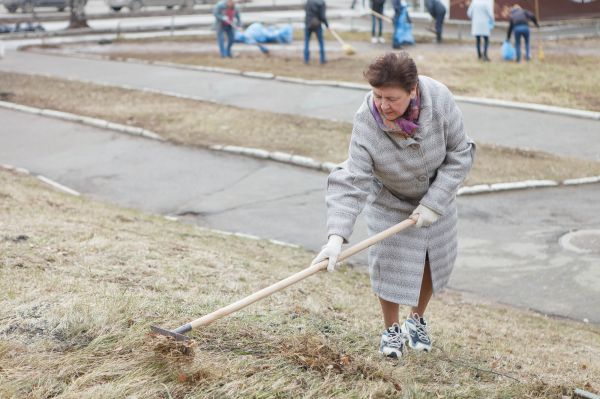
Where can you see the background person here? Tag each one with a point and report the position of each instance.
(482, 21)
(226, 13)
(519, 23)
(408, 155)
(376, 33)
(361, 3)
(315, 17)
(402, 26)
(437, 10)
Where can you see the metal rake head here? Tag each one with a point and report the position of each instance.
(176, 334)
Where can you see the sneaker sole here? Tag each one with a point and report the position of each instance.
(417, 347)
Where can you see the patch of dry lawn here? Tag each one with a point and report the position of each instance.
(198, 123)
(82, 282)
(562, 79)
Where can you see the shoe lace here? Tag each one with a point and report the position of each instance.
(422, 329)
(395, 339)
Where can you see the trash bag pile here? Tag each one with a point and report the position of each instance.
(258, 33)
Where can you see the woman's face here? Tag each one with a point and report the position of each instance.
(392, 101)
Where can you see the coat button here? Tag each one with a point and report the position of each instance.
(422, 178)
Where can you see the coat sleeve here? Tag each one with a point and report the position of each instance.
(237, 17)
(532, 17)
(460, 153)
(217, 12)
(348, 186)
(323, 16)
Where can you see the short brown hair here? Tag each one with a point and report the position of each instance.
(392, 69)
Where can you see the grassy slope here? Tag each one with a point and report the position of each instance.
(200, 123)
(81, 289)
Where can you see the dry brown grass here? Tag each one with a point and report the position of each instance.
(562, 79)
(199, 123)
(82, 282)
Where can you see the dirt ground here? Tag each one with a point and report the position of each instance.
(202, 124)
(82, 282)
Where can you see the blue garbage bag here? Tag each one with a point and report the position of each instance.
(403, 30)
(258, 33)
(508, 51)
(283, 34)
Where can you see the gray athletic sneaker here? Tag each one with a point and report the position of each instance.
(416, 330)
(392, 342)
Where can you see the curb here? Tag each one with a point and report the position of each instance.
(70, 191)
(237, 234)
(549, 109)
(282, 157)
(42, 178)
(86, 120)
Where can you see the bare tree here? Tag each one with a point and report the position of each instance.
(78, 18)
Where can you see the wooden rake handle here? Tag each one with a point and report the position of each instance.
(309, 271)
(384, 17)
(337, 37)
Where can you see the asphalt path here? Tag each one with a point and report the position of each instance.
(557, 134)
(509, 250)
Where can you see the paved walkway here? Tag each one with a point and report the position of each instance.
(560, 135)
(509, 249)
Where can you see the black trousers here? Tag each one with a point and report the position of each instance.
(486, 42)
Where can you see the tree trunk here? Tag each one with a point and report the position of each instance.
(78, 18)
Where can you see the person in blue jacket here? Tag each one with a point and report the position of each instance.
(227, 17)
(519, 23)
(402, 25)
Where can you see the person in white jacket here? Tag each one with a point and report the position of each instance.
(481, 13)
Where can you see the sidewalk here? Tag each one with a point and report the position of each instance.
(495, 125)
(509, 249)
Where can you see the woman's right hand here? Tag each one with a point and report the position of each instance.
(330, 251)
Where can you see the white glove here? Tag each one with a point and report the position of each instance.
(330, 251)
(425, 216)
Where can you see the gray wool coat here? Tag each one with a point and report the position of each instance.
(392, 175)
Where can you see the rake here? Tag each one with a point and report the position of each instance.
(178, 333)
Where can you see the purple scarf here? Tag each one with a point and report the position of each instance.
(406, 124)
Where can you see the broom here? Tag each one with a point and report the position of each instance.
(348, 49)
(539, 40)
(381, 16)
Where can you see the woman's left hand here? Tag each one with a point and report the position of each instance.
(425, 216)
